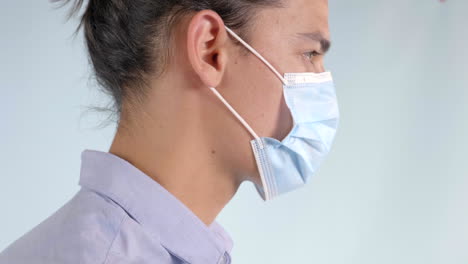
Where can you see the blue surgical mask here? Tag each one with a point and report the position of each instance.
(288, 164)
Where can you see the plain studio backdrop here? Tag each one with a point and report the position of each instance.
(394, 189)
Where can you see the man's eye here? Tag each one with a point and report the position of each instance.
(311, 54)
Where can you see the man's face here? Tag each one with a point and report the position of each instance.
(292, 39)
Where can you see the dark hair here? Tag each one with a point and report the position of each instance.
(127, 39)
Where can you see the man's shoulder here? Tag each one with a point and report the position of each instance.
(80, 231)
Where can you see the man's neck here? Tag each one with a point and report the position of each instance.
(188, 168)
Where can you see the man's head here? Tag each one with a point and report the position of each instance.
(152, 55)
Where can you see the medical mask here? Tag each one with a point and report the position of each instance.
(288, 164)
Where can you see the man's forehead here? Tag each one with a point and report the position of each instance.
(308, 6)
(311, 22)
(296, 16)
(310, 15)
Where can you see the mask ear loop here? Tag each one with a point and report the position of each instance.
(258, 55)
(257, 138)
(234, 112)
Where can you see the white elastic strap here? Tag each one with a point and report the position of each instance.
(234, 112)
(257, 54)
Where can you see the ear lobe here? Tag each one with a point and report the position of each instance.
(206, 38)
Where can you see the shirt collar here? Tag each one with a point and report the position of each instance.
(159, 212)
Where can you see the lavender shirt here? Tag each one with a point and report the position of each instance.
(120, 215)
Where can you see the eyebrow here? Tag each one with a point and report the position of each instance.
(317, 36)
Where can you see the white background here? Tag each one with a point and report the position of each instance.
(393, 190)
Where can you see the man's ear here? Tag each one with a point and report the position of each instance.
(206, 49)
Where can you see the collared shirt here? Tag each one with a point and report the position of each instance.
(120, 215)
